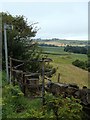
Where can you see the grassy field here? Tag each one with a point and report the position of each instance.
(56, 50)
(63, 64)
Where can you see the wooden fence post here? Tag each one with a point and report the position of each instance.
(10, 70)
(43, 84)
(58, 77)
(24, 84)
(14, 75)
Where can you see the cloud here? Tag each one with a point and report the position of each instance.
(62, 19)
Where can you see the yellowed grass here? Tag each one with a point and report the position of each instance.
(70, 74)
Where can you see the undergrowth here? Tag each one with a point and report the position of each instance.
(16, 105)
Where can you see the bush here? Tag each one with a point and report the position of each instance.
(84, 65)
(79, 63)
(63, 108)
(13, 101)
(15, 105)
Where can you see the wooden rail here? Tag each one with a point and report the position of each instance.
(18, 65)
(25, 75)
(33, 60)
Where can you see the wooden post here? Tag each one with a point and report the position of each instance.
(14, 75)
(43, 83)
(24, 84)
(10, 70)
(58, 77)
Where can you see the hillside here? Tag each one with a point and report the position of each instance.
(62, 61)
(71, 74)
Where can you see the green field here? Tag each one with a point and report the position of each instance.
(55, 50)
(63, 64)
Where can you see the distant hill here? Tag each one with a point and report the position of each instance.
(62, 42)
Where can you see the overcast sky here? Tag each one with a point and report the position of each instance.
(67, 20)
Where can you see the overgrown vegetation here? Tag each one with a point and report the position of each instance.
(15, 105)
(63, 108)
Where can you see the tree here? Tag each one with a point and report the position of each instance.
(79, 63)
(82, 64)
(76, 49)
(20, 44)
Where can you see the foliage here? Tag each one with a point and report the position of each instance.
(79, 63)
(76, 49)
(64, 108)
(15, 105)
(12, 100)
(20, 44)
(82, 64)
(49, 70)
(4, 82)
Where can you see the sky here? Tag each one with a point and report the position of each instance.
(63, 20)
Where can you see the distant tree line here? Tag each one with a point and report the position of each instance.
(76, 49)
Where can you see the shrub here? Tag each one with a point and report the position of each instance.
(13, 101)
(16, 105)
(84, 65)
(80, 64)
(63, 108)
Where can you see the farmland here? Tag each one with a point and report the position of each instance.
(62, 61)
(62, 42)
